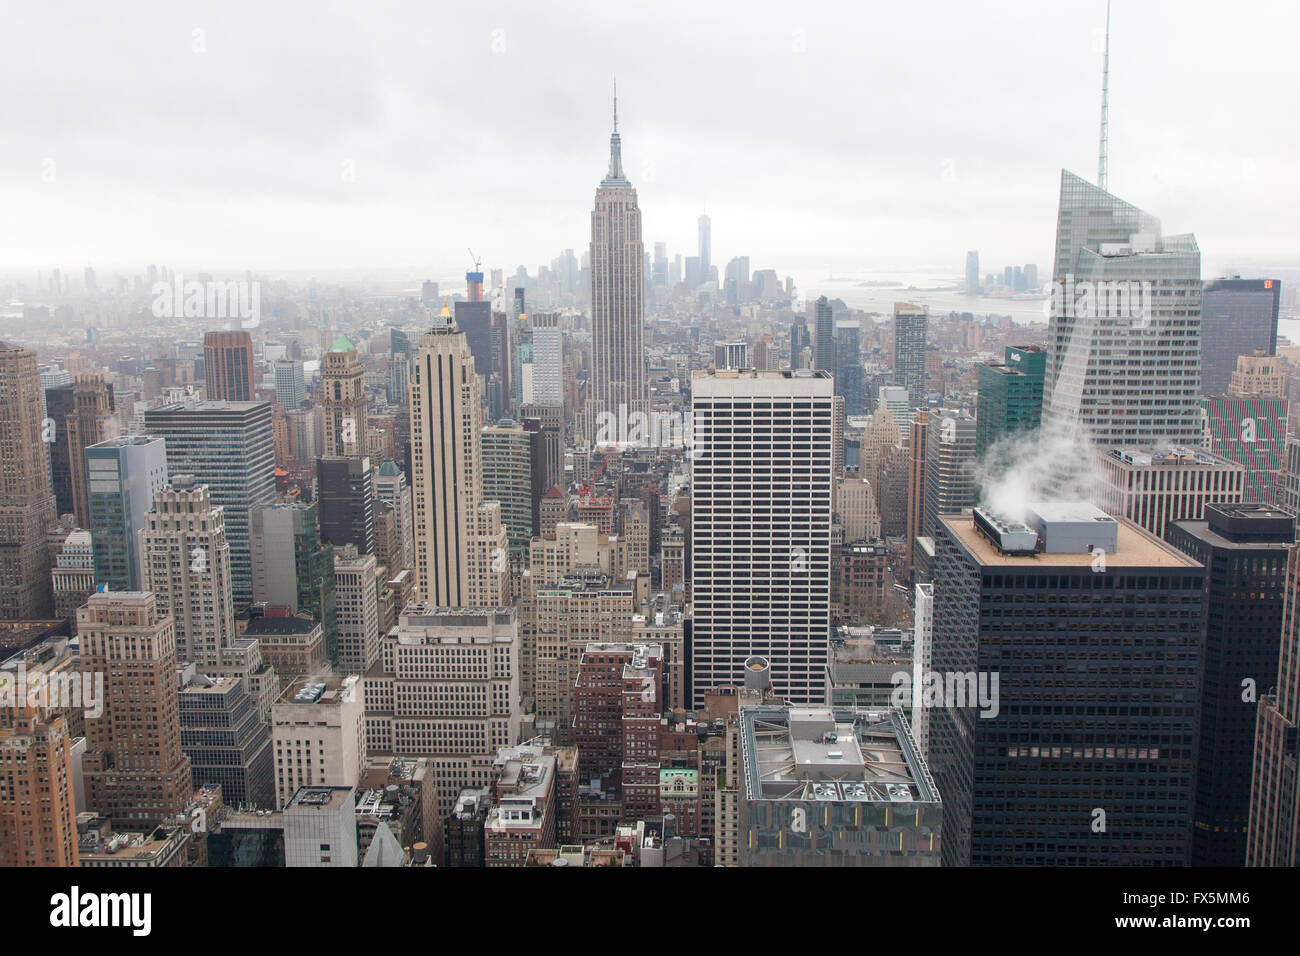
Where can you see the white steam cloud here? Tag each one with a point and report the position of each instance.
(1053, 462)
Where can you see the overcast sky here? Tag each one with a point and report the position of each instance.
(831, 137)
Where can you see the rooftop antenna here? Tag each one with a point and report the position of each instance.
(616, 102)
(1103, 146)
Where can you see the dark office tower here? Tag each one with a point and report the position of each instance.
(519, 307)
(1273, 829)
(502, 405)
(706, 247)
(761, 485)
(1244, 549)
(848, 366)
(1123, 352)
(90, 422)
(226, 741)
(59, 405)
(1086, 754)
(293, 568)
(824, 341)
(229, 447)
(136, 772)
(1010, 396)
(910, 323)
(475, 320)
(1238, 316)
(228, 366)
(617, 294)
(345, 494)
(26, 504)
(973, 273)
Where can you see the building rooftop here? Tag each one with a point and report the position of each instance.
(1135, 548)
(1170, 457)
(820, 753)
(321, 798)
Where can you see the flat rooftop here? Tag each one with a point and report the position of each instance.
(322, 798)
(1136, 549)
(833, 754)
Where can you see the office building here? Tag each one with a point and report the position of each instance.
(1250, 430)
(228, 373)
(345, 498)
(834, 787)
(1064, 686)
(343, 399)
(185, 562)
(823, 336)
(135, 771)
(949, 465)
(1238, 317)
(290, 389)
(1244, 549)
(320, 827)
(446, 688)
(73, 576)
(1010, 396)
(760, 554)
(226, 740)
(356, 591)
(910, 322)
(1273, 826)
(124, 475)
(460, 543)
(229, 447)
(92, 419)
(548, 359)
(293, 568)
(618, 378)
(392, 489)
(38, 814)
(1123, 354)
(508, 457)
(26, 503)
(318, 734)
(1152, 487)
(973, 286)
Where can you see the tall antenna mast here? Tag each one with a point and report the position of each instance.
(1104, 145)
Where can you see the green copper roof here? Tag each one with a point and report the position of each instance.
(389, 469)
(341, 344)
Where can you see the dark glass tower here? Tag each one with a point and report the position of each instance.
(1088, 755)
(1244, 549)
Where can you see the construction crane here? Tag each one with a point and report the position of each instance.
(478, 262)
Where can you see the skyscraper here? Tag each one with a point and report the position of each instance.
(973, 287)
(1273, 828)
(344, 399)
(124, 475)
(293, 568)
(1123, 358)
(136, 772)
(26, 504)
(548, 359)
(1244, 549)
(1238, 316)
(823, 336)
(761, 491)
(1083, 751)
(228, 366)
(229, 447)
(186, 563)
(706, 247)
(460, 544)
(617, 287)
(910, 323)
(345, 494)
(91, 421)
(290, 389)
(1010, 396)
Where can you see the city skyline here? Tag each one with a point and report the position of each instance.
(405, 166)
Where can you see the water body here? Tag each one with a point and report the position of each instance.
(941, 293)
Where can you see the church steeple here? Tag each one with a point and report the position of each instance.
(615, 176)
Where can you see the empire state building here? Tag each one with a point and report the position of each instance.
(617, 289)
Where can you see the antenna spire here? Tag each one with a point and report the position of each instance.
(615, 104)
(1104, 144)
